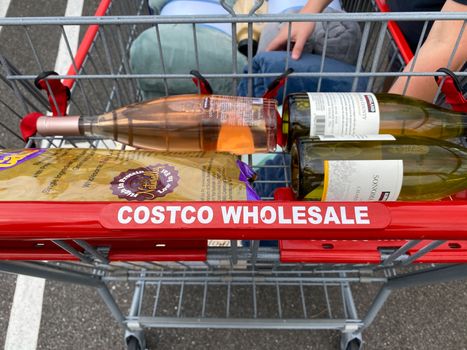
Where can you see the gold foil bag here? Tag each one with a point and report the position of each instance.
(114, 175)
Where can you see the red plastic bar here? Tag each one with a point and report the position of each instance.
(365, 252)
(446, 220)
(86, 43)
(396, 34)
(119, 250)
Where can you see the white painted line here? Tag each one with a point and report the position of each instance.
(25, 315)
(26, 311)
(63, 62)
(4, 5)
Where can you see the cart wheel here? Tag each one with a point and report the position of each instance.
(354, 344)
(132, 343)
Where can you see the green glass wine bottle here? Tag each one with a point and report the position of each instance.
(311, 114)
(404, 168)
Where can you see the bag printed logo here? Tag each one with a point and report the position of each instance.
(146, 183)
(10, 159)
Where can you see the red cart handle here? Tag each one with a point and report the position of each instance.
(57, 91)
(271, 92)
(58, 95)
(452, 90)
(201, 82)
(276, 84)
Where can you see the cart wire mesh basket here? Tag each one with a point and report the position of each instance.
(244, 276)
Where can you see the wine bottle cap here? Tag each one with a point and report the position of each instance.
(63, 126)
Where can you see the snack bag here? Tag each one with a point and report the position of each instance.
(74, 174)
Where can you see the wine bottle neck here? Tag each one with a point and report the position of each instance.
(64, 126)
(85, 125)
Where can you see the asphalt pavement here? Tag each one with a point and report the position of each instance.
(74, 317)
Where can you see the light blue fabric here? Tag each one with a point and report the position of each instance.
(215, 56)
(157, 5)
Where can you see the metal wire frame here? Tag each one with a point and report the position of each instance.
(377, 55)
(369, 63)
(230, 271)
(109, 52)
(378, 58)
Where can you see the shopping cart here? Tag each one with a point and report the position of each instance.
(235, 284)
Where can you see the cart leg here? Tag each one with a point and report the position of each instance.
(419, 278)
(351, 339)
(65, 275)
(134, 335)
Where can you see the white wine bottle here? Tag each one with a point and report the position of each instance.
(239, 125)
(404, 168)
(311, 114)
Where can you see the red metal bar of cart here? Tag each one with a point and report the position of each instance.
(115, 250)
(396, 34)
(86, 43)
(366, 252)
(217, 220)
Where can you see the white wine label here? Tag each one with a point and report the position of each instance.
(343, 113)
(381, 137)
(362, 180)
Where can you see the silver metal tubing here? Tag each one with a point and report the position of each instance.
(323, 55)
(91, 251)
(110, 65)
(288, 48)
(234, 58)
(90, 108)
(415, 279)
(376, 306)
(111, 304)
(245, 280)
(414, 59)
(279, 303)
(399, 252)
(423, 251)
(435, 275)
(234, 75)
(349, 305)
(50, 272)
(195, 46)
(156, 299)
(152, 20)
(377, 54)
(161, 58)
(247, 323)
(250, 58)
(451, 58)
(68, 248)
(136, 300)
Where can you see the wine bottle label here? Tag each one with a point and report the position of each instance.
(237, 110)
(381, 137)
(362, 180)
(343, 113)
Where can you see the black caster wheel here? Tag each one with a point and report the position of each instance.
(354, 344)
(132, 343)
